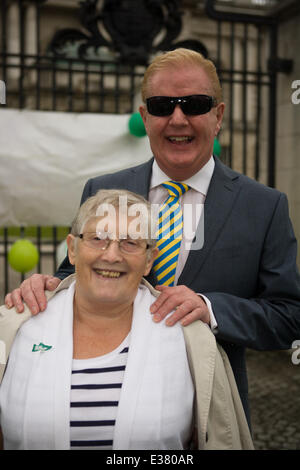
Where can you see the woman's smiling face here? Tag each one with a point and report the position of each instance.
(107, 276)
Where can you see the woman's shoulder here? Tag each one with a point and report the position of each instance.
(42, 319)
(147, 287)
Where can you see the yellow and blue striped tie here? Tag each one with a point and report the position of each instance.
(169, 233)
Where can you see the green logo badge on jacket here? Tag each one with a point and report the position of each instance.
(41, 347)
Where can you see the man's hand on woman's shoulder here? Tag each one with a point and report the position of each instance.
(32, 292)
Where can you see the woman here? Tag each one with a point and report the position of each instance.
(94, 370)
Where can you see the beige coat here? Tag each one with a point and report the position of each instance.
(220, 417)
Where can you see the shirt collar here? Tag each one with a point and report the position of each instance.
(200, 181)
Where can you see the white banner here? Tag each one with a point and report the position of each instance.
(47, 157)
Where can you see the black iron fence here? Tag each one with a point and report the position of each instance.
(51, 69)
(49, 244)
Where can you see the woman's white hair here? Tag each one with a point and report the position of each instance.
(95, 206)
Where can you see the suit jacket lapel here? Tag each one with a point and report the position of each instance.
(220, 198)
(141, 176)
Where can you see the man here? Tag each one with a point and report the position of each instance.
(244, 281)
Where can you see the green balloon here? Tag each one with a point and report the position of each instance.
(23, 256)
(217, 148)
(136, 125)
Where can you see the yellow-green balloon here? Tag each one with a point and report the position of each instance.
(23, 256)
(136, 125)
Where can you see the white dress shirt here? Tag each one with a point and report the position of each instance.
(193, 199)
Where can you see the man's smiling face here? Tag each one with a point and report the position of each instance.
(181, 144)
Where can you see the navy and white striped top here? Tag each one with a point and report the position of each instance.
(95, 393)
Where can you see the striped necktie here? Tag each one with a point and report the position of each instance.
(169, 233)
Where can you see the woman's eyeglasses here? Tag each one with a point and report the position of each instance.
(100, 241)
(192, 105)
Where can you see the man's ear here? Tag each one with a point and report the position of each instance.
(220, 114)
(143, 112)
(71, 242)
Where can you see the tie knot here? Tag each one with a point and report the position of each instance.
(176, 189)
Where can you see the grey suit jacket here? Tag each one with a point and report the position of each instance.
(246, 267)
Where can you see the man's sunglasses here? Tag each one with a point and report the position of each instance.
(190, 105)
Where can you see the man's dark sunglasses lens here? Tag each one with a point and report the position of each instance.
(192, 105)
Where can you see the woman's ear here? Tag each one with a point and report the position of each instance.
(71, 242)
(150, 260)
